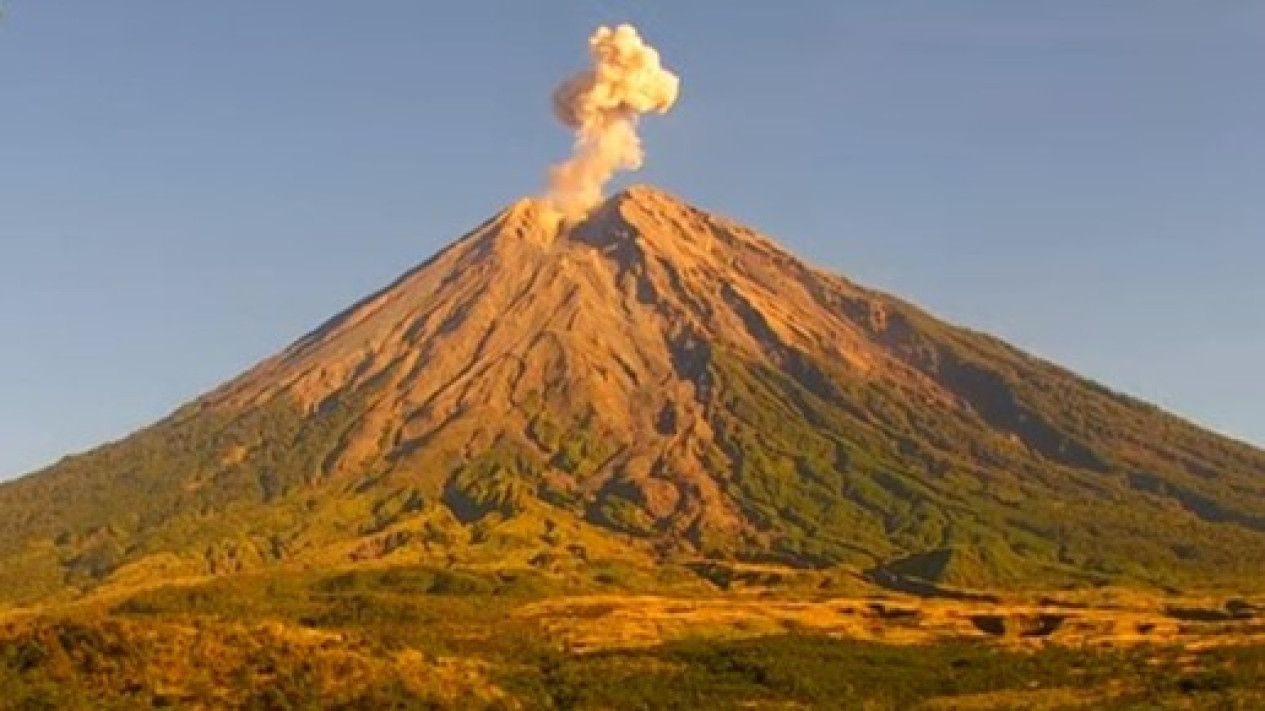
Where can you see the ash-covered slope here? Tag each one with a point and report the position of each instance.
(656, 382)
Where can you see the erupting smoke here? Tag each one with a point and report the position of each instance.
(603, 105)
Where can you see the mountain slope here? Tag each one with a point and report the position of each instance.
(657, 383)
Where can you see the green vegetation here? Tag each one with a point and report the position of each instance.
(398, 512)
(824, 673)
(745, 408)
(419, 638)
(827, 470)
(899, 481)
(495, 482)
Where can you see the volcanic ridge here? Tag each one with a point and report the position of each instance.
(652, 383)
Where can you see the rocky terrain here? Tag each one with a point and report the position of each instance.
(654, 383)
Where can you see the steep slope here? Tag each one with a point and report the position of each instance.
(654, 383)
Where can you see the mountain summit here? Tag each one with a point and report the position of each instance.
(652, 383)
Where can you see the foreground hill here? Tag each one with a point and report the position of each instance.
(654, 384)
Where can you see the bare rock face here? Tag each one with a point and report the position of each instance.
(529, 325)
(668, 379)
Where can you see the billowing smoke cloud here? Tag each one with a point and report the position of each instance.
(603, 105)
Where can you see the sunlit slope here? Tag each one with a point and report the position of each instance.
(656, 383)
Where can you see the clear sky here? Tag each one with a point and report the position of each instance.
(185, 187)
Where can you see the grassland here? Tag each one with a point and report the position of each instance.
(653, 462)
(419, 637)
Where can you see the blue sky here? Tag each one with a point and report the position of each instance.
(187, 187)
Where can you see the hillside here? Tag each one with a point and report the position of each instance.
(656, 384)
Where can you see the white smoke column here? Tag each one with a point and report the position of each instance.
(603, 105)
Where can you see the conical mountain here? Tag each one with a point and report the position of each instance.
(655, 383)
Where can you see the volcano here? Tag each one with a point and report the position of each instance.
(655, 383)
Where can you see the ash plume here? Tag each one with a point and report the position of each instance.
(603, 105)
